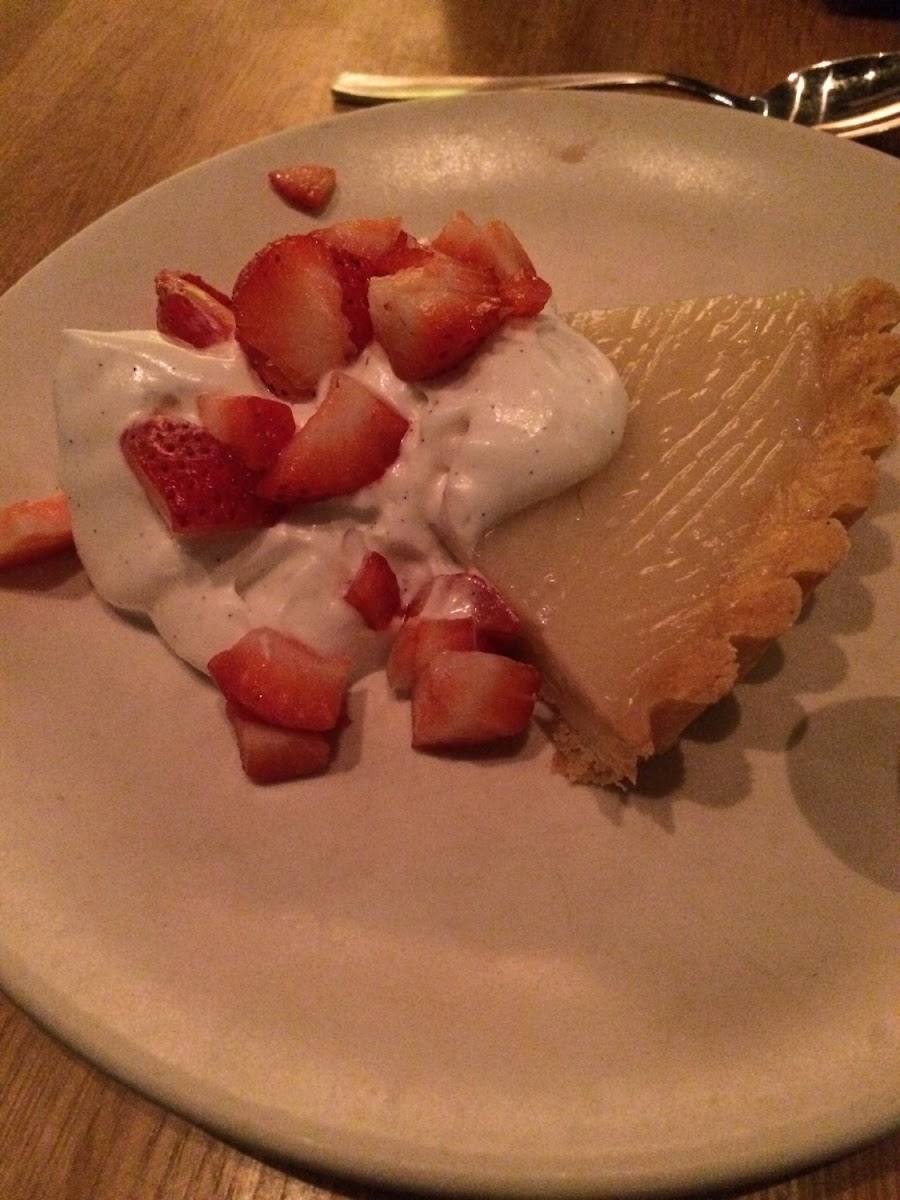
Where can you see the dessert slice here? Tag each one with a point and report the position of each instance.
(648, 590)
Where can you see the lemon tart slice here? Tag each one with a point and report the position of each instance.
(648, 590)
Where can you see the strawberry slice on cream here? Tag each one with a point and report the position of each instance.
(196, 483)
(350, 440)
(374, 591)
(190, 309)
(256, 428)
(289, 316)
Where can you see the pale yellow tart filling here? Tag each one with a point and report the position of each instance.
(648, 590)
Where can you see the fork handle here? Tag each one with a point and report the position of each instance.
(353, 88)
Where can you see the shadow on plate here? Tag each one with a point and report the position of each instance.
(60, 576)
(844, 770)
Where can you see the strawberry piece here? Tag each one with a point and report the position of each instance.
(354, 275)
(348, 442)
(194, 481)
(307, 186)
(288, 307)
(457, 611)
(190, 309)
(257, 428)
(282, 680)
(524, 295)
(358, 248)
(405, 252)
(34, 529)
(462, 238)
(366, 238)
(469, 697)
(496, 248)
(374, 591)
(432, 316)
(274, 378)
(464, 594)
(420, 640)
(273, 754)
(493, 246)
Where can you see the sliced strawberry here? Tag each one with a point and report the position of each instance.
(276, 380)
(34, 529)
(469, 697)
(421, 639)
(524, 295)
(282, 680)
(195, 482)
(354, 275)
(463, 239)
(288, 307)
(365, 238)
(405, 252)
(464, 594)
(496, 248)
(190, 309)
(457, 611)
(358, 248)
(273, 754)
(348, 442)
(374, 591)
(307, 186)
(430, 317)
(493, 245)
(257, 428)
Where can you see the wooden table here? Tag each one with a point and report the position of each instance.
(101, 98)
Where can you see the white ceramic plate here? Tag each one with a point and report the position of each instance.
(469, 974)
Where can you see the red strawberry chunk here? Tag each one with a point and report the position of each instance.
(257, 428)
(421, 639)
(493, 245)
(34, 529)
(469, 697)
(462, 238)
(307, 186)
(524, 295)
(354, 275)
(194, 481)
(190, 309)
(288, 307)
(509, 255)
(464, 594)
(430, 317)
(405, 252)
(276, 380)
(273, 754)
(282, 680)
(366, 238)
(348, 442)
(496, 248)
(374, 591)
(359, 247)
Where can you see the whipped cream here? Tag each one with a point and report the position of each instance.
(536, 410)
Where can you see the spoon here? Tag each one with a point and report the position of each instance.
(850, 97)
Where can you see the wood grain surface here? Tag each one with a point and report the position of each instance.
(100, 99)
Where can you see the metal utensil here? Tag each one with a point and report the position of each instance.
(850, 97)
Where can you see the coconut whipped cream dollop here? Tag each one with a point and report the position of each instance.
(536, 410)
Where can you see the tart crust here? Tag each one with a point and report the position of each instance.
(847, 365)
